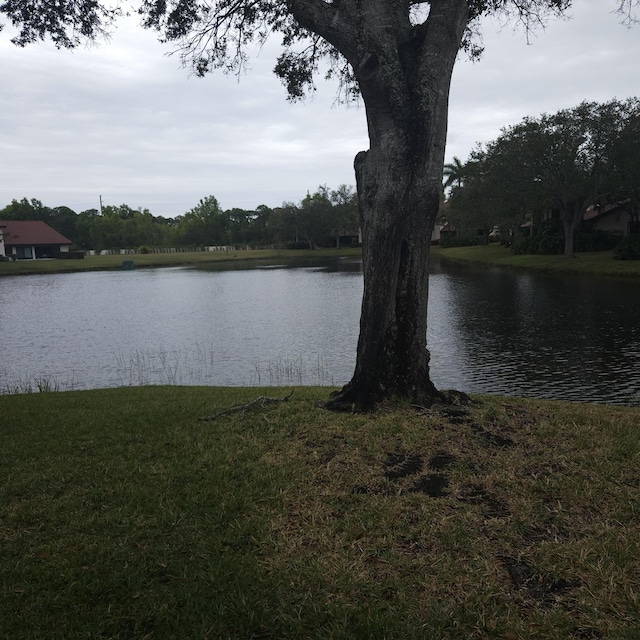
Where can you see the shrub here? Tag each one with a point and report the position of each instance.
(300, 244)
(548, 241)
(521, 246)
(69, 255)
(595, 240)
(462, 241)
(628, 249)
(144, 249)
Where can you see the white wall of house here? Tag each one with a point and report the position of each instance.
(2, 250)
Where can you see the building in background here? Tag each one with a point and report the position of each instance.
(30, 240)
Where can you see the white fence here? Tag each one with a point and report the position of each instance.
(127, 252)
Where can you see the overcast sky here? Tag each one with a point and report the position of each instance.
(126, 122)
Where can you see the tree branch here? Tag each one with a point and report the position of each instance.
(260, 402)
(327, 20)
(626, 10)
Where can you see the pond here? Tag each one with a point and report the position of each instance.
(490, 330)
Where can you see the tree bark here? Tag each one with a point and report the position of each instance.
(569, 229)
(404, 83)
(392, 357)
(571, 218)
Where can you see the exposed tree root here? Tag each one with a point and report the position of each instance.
(260, 402)
(350, 399)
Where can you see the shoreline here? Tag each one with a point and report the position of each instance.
(161, 260)
(599, 264)
(596, 263)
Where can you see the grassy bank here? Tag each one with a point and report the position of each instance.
(96, 263)
(596, 263)
(124, 516)
(599, 263)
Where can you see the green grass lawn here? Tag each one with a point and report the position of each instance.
(94, 263)
(122, 515)
(600, 263)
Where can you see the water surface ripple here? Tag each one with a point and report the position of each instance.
(490, 330)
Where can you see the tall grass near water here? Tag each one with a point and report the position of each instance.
(183, 364)
(199, 364)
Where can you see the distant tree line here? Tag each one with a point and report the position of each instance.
(548, 172)
(324, 218)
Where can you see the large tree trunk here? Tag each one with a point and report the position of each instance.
(399, 182)
(397, 216)
(404, 73)
(569, 229)
(571, 217)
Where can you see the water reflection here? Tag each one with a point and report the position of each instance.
(490, 330)
(544, 336)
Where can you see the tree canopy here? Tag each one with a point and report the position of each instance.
(216, 35)
(564, 162)
(324, 218)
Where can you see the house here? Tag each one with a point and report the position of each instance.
(441, 231)
(619, 218)
(30, 239)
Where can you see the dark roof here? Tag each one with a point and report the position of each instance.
(596, 211)
(30, 232)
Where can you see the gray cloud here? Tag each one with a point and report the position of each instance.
(124, 121)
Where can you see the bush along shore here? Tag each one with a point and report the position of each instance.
(123, 514)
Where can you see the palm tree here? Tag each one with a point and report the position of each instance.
(454, 173)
